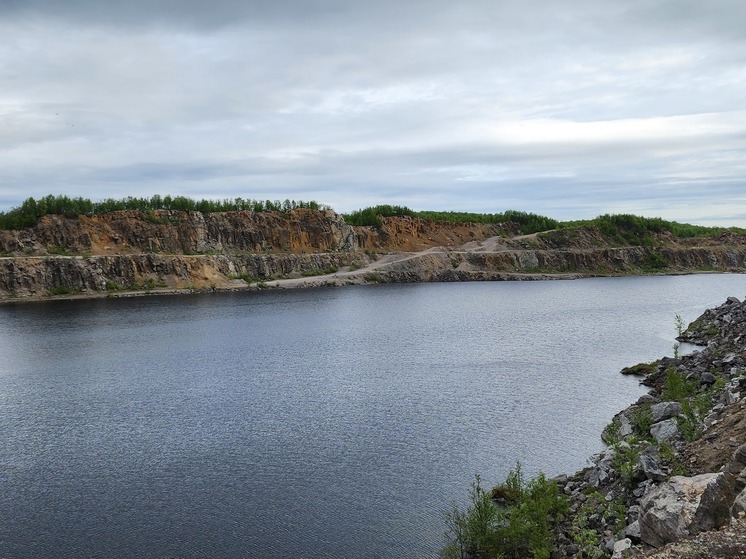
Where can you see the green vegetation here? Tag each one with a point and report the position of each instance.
(625, 458)
(528, 222)
(611, 435)
(677, 388)
(111, 285)
(372, 215)
(584, 533)
(629, 229)
(245, 277)
(671, 458)
(59, 290)
(515, 520)
(320, 271)
(642, 420)
(29, 213)
(680, 327)
(655, 262)
(621, 229)
(59, 251)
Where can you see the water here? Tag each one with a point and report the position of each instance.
(335, 423)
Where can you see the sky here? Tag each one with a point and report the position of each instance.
(569, 109)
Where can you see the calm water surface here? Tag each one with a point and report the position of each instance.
(336, 423)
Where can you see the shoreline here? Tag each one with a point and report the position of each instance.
(671, 481)
(337, 279)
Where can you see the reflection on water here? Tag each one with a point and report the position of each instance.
(336, 423)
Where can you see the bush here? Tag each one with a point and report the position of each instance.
(521, 525)
(676, 387)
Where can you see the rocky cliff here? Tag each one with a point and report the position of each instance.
(174, 232)
(165, 249)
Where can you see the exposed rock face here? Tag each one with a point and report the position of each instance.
(405, 234)
(35, 277)
(681, 507)
(172, 232)
(442, 252)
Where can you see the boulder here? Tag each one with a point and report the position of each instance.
(620, 547)
(684, 506)
(665, 431)
(707, 379)
(739, 505)
(633, 531)
(664, 410)
(650, 467)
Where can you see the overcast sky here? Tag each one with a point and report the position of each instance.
(569, 109)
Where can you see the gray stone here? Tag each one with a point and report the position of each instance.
(647, 399)
(665, 431)
(625, 426)
(707, 379)
(620, 547)
(561, 480)
(633, 531)
(665, 410)
(650, 467)
(642, 488)
(683, 506)
(739, 505)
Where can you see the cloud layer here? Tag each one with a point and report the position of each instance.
(569, 109)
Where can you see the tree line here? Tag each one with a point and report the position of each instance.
(528, 222)
(31, 210)
(624, 228)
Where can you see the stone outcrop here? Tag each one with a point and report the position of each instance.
(175, 232)
(37, 277)
(681, 507)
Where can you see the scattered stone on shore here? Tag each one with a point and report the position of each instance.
(674, 474)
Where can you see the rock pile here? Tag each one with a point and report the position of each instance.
(647, 488)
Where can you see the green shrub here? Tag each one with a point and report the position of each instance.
(655, 262)
(59, 290)
(624, 461)
(320, 271)
(521, 526)
(676, 387)
(587, 536)
(245, 277)
(688, 423)
(473, 530)
(642, 420)
(611, 433)
(113, 286)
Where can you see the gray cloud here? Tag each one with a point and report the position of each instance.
(571, 109)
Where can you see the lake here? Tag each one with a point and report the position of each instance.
(327, 423)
